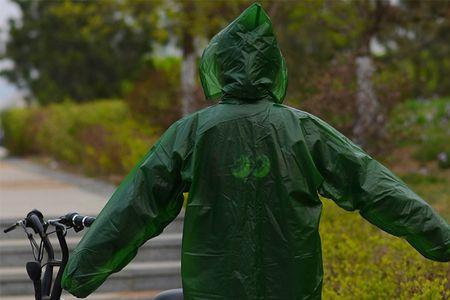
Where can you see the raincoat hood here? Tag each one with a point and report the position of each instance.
(243, 61)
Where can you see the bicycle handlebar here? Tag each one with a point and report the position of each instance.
(35, 220)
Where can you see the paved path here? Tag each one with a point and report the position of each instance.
(25, 185)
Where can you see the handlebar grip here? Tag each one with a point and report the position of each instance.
(77, 220)
(10, 228)
(88, 222)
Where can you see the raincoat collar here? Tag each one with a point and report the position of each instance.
(230, 99)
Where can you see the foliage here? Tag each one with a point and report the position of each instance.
(15, 124)
(435, 188)
(411, 40)
(336, 26)
(80, 50)
(322, 69)
(191, 16)
(417, 44)
(361, 262)
(101, 138)
(155, 96)
(321, 39)
(423, 125)
(87, 50)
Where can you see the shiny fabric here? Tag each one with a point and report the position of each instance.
(254, 169)
(244, 61)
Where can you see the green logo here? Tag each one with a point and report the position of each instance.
(244, 166)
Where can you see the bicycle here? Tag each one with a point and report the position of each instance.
(44, 286)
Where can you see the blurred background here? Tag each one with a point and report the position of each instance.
(88, 86)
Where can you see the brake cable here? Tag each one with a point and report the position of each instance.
(34, 246)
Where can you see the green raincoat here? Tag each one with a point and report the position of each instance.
(253, 169)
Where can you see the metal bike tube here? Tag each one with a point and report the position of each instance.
(48, 274)
(57, 290)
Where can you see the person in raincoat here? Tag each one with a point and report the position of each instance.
(254, 169)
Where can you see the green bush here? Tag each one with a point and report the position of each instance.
(15, 124)
(362, 262)
(100, 137)
(154, 98)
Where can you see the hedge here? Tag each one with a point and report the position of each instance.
(99, 137)
(362, 262)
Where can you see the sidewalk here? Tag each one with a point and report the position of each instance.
(25, 185)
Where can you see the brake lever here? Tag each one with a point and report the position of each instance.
(34, 246)
(57, 224)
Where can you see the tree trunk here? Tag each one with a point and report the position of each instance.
(369, 121)
(188, 64)
(188, 82)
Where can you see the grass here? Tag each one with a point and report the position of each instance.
(362, 262)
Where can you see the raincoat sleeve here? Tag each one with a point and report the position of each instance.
(355, 181)
(148, 199)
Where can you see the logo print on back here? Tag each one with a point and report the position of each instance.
(245, 166)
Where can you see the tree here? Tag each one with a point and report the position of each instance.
(320, 41)
(418, 43)
(369, 123)
(80, 50)
(194, 22)
(332, 40)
